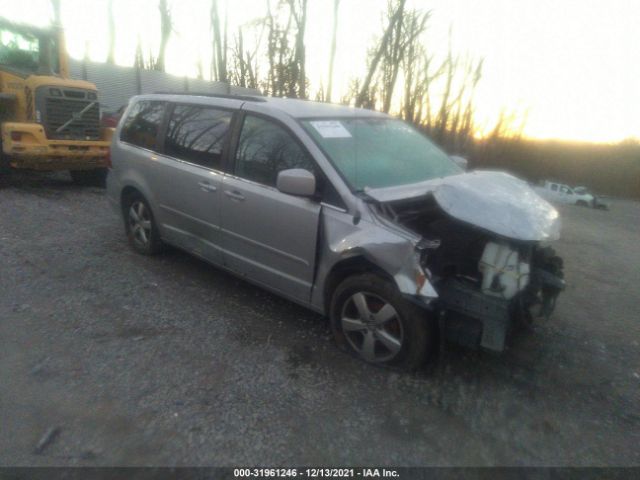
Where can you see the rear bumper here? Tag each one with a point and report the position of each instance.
(35, 151)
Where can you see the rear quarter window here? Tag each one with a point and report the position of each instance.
(143, 123)
(197, 134)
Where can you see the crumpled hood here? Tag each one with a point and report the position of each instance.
(495, 201)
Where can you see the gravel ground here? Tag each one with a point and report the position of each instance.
(168, 361)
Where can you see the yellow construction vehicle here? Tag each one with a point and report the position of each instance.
(49, 121)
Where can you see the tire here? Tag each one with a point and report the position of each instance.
(5, 168)
(89, 178)
(582, 203)
(394, 331)
(140, 226)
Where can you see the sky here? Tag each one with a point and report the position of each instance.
(569, 68)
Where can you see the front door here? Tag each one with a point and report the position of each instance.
(269, 236)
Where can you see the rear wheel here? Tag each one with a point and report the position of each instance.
(140, 226)
(582, 203)
(371, 319)
(91, 178)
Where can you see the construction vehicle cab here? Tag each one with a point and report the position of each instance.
(48, 121)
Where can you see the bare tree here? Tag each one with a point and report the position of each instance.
(463, 133)
(442, 118)
(415, 65)
(240, 71)
(286, 55)
(453, 124)
(299, 13)
(139, 61)
(112, 33)
(396, 16)
(245, 61)
(405, 37)
(219, 63)
(166, 27)
(332, 51)
(392, 55)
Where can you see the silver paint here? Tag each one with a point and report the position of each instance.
(495, 201)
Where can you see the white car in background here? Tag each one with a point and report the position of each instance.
(561, 193)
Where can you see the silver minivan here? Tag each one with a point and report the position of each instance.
(349, 212)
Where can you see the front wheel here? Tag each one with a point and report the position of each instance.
(371, 319)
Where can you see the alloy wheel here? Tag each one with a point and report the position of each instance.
(372, 327)
(140, 223)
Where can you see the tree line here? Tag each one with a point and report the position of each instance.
(401, 74)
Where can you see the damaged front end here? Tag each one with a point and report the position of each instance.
(481, 251)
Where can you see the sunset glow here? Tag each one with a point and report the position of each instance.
(571, 68)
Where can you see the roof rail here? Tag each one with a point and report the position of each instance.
(246, 98)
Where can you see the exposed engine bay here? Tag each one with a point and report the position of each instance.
(486, 282)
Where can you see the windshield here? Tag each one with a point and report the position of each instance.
(26, 51)
(377, 153)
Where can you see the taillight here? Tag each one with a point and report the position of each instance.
(108, 158)
(16, 136)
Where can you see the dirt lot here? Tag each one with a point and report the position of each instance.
(168, 361)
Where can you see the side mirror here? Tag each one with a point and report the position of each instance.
(297, 181)
(462, 162)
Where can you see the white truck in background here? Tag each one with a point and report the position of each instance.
(561, 193)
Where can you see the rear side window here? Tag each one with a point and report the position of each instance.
(142, 124)
(554, 187)
(197, 134)
(265, 149)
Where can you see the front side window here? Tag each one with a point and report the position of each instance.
(265, 149)
(197, 134)
(379, 152)
(142, 124)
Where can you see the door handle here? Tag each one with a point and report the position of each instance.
(207, 187)
(235, 195)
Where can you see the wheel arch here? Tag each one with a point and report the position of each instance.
(130, 190)
(134, 187)
(126, 193)
(348, 267)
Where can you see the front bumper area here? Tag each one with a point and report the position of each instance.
(35, 151)
(474, 319)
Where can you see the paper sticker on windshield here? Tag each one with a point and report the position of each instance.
(331, 129)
